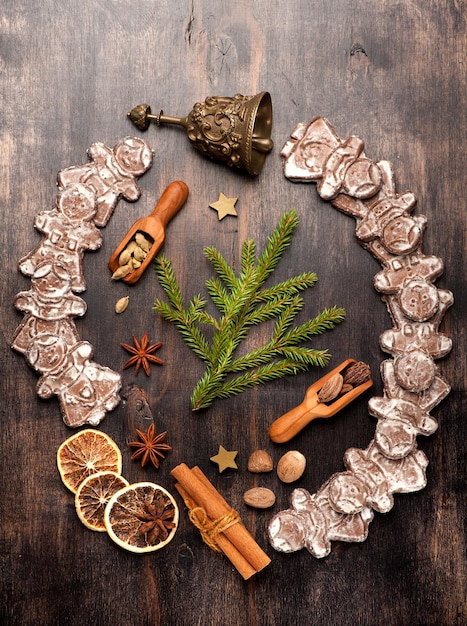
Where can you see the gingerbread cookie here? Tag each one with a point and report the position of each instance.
(386, 216)
(407, 334)
(47, 336)
(111, 173)
(343, 507)
(68, 231)
(50, 307)
(86, 390)
(315, 153)
(312, 522)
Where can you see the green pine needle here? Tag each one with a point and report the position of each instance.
(243, 303)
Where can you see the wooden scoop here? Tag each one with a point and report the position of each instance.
(291, 423)
(153, 228)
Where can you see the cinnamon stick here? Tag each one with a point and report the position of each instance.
(204, 494)
(235, 557)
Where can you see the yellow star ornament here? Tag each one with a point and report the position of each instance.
(225, 458)
(224, 206)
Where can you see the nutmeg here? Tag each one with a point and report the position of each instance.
(259, 497)
(357, 374)
(331, 388)
(291, 466)
(260, 461)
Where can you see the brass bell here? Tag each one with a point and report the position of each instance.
(235, 131)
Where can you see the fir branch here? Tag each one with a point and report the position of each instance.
(286, 317)
(243, 302)
(221, 266)
(271, 351)
(306, 355)
(248, 255)
(326, 320)
(218, 294)
(268, 310)
(206, 318)
(185, 320)
(204, 394)
(289, 286)
(277, 243)
(168, 282)
(196, 341)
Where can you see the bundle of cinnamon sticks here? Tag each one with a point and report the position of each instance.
(234, 541)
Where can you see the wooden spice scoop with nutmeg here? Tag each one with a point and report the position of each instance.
(324, 398)
(146, 236)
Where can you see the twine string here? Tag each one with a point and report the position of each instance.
(208, 528)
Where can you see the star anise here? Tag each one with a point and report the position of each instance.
(157, 519)
(150, 446)
(143, 354)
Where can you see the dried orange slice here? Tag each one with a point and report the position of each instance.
(92, 496)
(142, 517)
(87, 452)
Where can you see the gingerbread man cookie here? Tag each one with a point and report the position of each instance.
(50, 307)
(47, 336)
(68, 231)
(86, 390)
(315, 153)
(111, 173)
(392, 463)
(407, 334)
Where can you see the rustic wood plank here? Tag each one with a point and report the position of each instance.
(391, 72)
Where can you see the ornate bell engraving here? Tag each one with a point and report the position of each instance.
(235, 131)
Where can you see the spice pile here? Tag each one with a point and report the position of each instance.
(132, 256)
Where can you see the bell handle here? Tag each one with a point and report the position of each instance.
(161, 118)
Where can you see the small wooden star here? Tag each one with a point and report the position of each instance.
(225, 458)
(224, 206)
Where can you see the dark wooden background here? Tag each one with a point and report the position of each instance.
(390, 71)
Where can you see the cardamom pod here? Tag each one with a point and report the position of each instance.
(139, 254)
(142, 242)
(122, 304)
(131, 246)
(122, 271)
(124, 257)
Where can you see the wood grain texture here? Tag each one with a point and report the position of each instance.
(391, 72)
